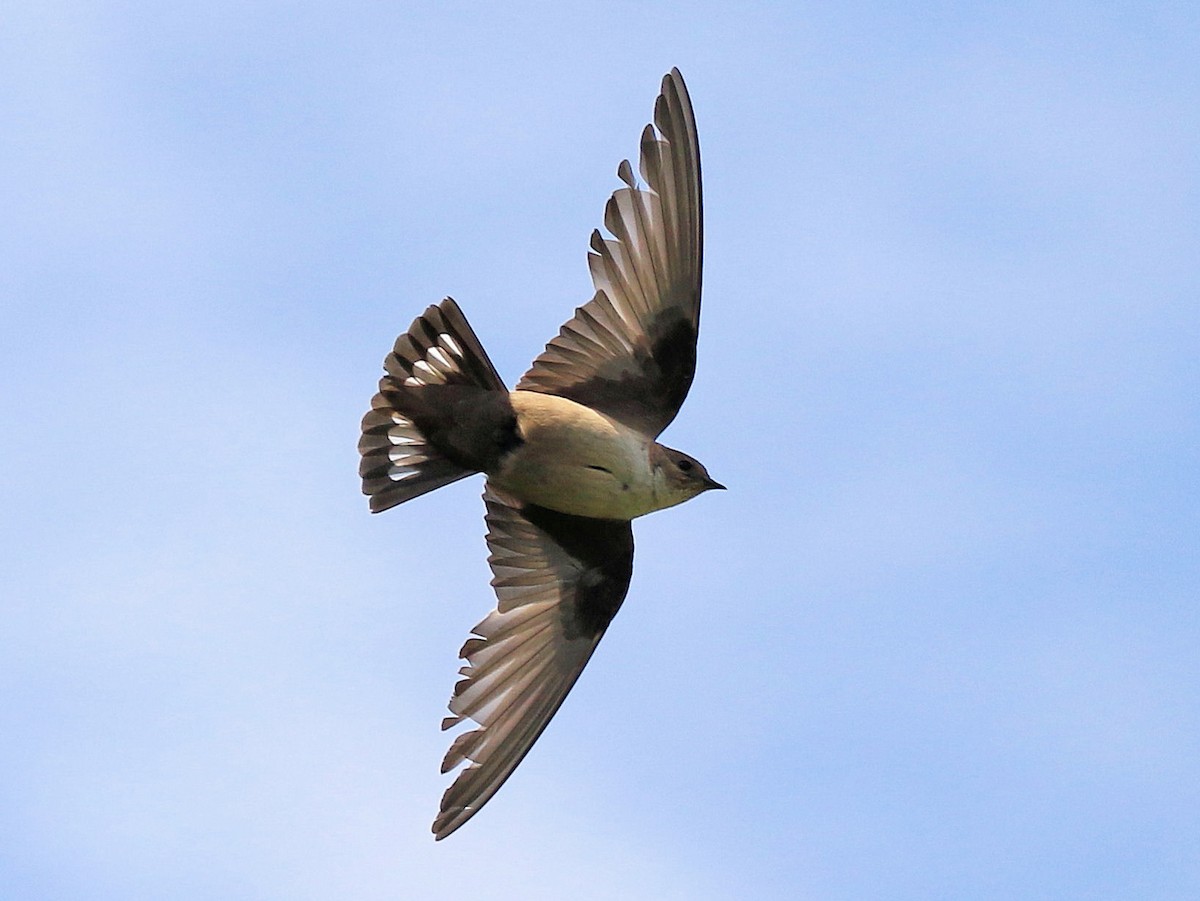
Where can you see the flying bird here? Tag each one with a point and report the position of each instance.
(570, 455)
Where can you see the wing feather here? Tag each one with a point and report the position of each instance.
(559, 580)
(630, 351)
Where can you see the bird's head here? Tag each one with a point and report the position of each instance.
(678, 477)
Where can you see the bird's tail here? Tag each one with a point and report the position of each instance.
(398, 461)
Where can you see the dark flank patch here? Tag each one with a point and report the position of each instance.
(604, 550)
(472, 427)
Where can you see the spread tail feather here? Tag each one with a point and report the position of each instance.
(398, 461)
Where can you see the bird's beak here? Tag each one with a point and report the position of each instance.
(713, 483)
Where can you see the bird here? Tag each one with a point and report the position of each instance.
(570, 456)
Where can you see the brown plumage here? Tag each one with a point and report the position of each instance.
(570, 455)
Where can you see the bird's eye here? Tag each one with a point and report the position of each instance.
(685, 465)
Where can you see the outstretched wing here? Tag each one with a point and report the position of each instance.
(559, 581)
(630, 351)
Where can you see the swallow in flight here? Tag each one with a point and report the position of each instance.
(569, 455)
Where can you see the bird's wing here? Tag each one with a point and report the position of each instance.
(559, 581)
(630, 351)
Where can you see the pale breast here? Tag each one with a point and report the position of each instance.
(576, 460)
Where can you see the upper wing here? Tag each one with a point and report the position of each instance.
(630, 351)
(559, 581)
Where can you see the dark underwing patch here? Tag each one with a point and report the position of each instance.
(603, 549)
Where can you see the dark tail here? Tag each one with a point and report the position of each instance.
(398, 462)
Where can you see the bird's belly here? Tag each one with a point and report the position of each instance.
(575, 460)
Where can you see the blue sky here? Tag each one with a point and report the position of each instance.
(938, 640)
